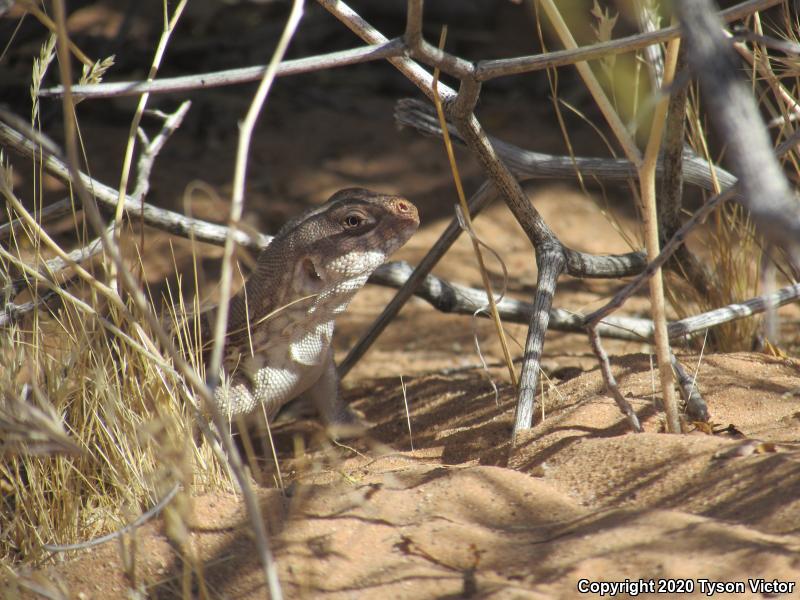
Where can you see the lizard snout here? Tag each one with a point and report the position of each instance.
(405, 209)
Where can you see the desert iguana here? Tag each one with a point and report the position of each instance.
(280, 325)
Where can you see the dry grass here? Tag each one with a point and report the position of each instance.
(96, 424)
(125, 416)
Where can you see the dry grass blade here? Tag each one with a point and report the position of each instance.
(237, 204)
(603, 103)
(468, 222)
(137, 117)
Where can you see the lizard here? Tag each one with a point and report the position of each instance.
(280, 324)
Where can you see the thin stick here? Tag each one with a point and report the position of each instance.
(237, 196)
(647, 181)
(731, 312)
(611, 382)
(237, 206)
(413, 71)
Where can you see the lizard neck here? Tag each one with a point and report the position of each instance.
(333, 300)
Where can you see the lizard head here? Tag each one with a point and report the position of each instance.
(350, 235)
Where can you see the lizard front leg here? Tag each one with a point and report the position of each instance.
(324, 395)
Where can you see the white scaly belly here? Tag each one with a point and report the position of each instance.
(287, 355)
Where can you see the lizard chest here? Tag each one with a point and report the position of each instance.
(282, 360)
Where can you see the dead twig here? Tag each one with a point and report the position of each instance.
(106, 196)
(527, 164)
(696, 407)
(238, 76)
(611, 382)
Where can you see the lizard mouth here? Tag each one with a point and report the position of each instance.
(310, 271)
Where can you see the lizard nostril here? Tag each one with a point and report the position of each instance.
(402, 206)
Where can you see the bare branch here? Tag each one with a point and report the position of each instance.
(151, 150)
(611, 382)
(454, 298)
(427, 53)
(165, 220)
(550, 265)
(538, 165)
(415, 73)
(696, 407)
(740, 310)
(453, 65)
(449, 297)
(172, 85)
(237, 205)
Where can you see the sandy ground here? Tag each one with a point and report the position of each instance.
(578, 501)
(451, 509)
(466, 515)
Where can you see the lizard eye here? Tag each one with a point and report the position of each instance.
(352, 221)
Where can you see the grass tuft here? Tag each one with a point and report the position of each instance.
(92, 423)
